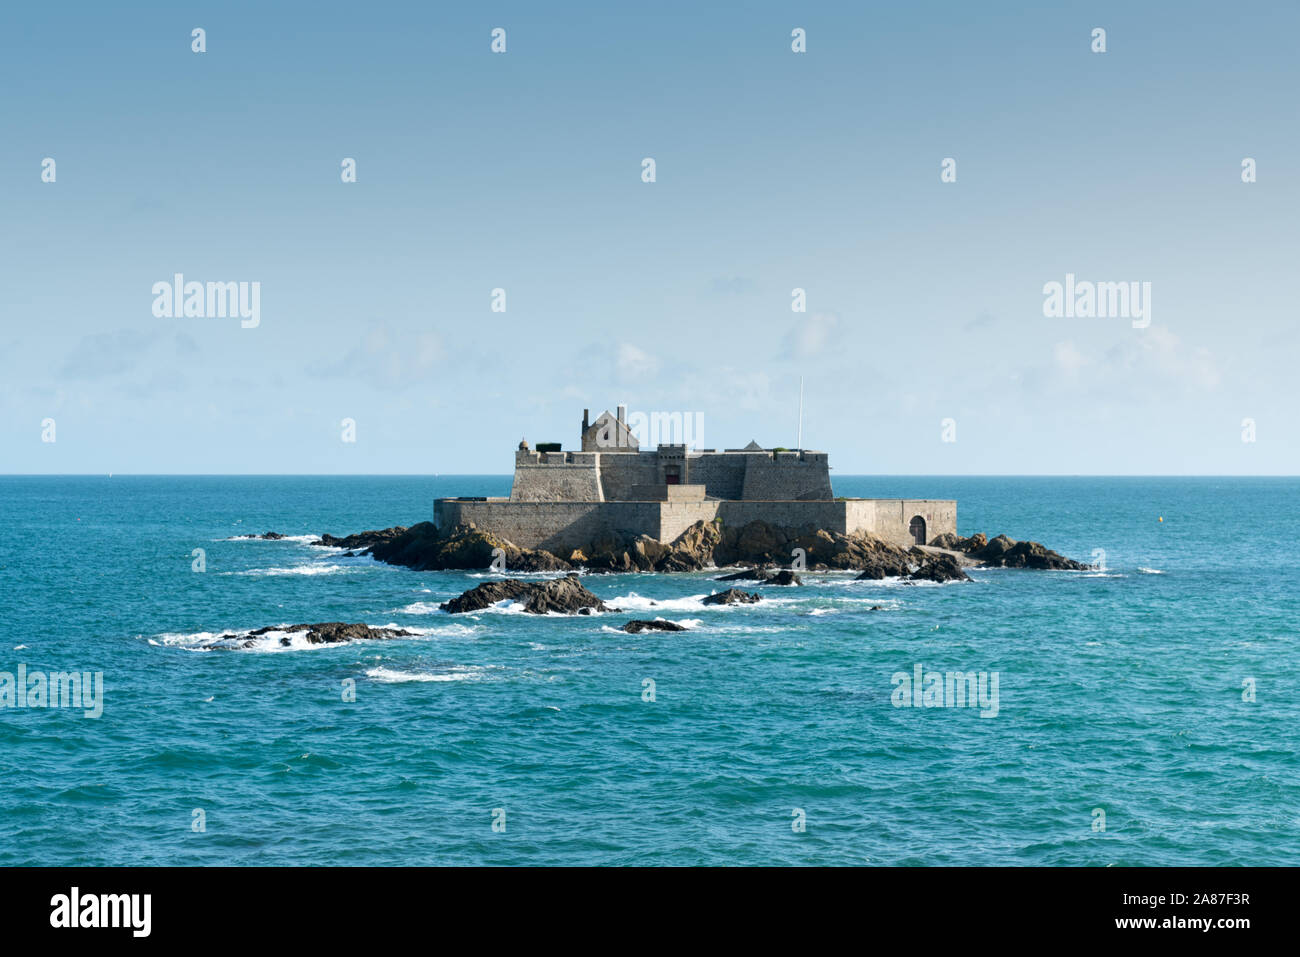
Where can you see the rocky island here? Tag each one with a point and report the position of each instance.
(765, 550)
(611, 507)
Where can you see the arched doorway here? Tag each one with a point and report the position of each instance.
(917, 529)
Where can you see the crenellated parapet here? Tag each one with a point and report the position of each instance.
(561, 498)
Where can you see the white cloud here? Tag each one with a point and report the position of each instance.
(387, 358)
(1068, 357)
(634, 362)
(810, 335)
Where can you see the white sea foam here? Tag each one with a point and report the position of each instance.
(831, 580)
(454, 673)
(688, 623)
(502, 576)
(294, 570)
(509, 606)
(456, 630)
(634, 602)
(1150, 571)
(302, 539)
(203, 641)
(233, 640)
(418, 608)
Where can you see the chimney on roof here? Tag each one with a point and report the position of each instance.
(584, 419)
(621, 415)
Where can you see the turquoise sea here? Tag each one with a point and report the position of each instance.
(1120, 690)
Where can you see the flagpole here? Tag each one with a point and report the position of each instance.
(799, 444)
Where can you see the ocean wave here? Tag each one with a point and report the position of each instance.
(454, 673)
(204, 641)
(890, 582)
(1150, 571)
(234, 640)
(418, 608)
(509, 606)
(833, 579)
(634, 602)
(502, 576)
(690, 624)
(301, 539)
(294, 570)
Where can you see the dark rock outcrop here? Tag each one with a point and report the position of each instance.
(939, 568)
(745, 575)
(915, 565)
(645, 624)
(268, 537)
(760, 543)
(424, 548)
(956, 543)
(362, 539)
(1006, 552)
(764, 547)
(564, 596)
(784, 577)
(733, 596)
(885, 566)
(690, 551)
(321, 633)
(762, 576)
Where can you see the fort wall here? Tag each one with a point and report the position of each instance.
(621, 471)
(615, 476)
(560, 527)
(787, 475)
(557, 477)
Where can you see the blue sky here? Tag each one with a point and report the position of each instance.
(522, 171)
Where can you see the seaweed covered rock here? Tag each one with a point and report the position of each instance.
(424, 547)
(563, 596)
(320, 633)
(939, 568)
(733, 596)
(657, 624)
(1006, 552)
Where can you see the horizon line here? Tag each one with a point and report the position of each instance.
(939, 475)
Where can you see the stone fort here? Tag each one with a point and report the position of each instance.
(613, 489)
